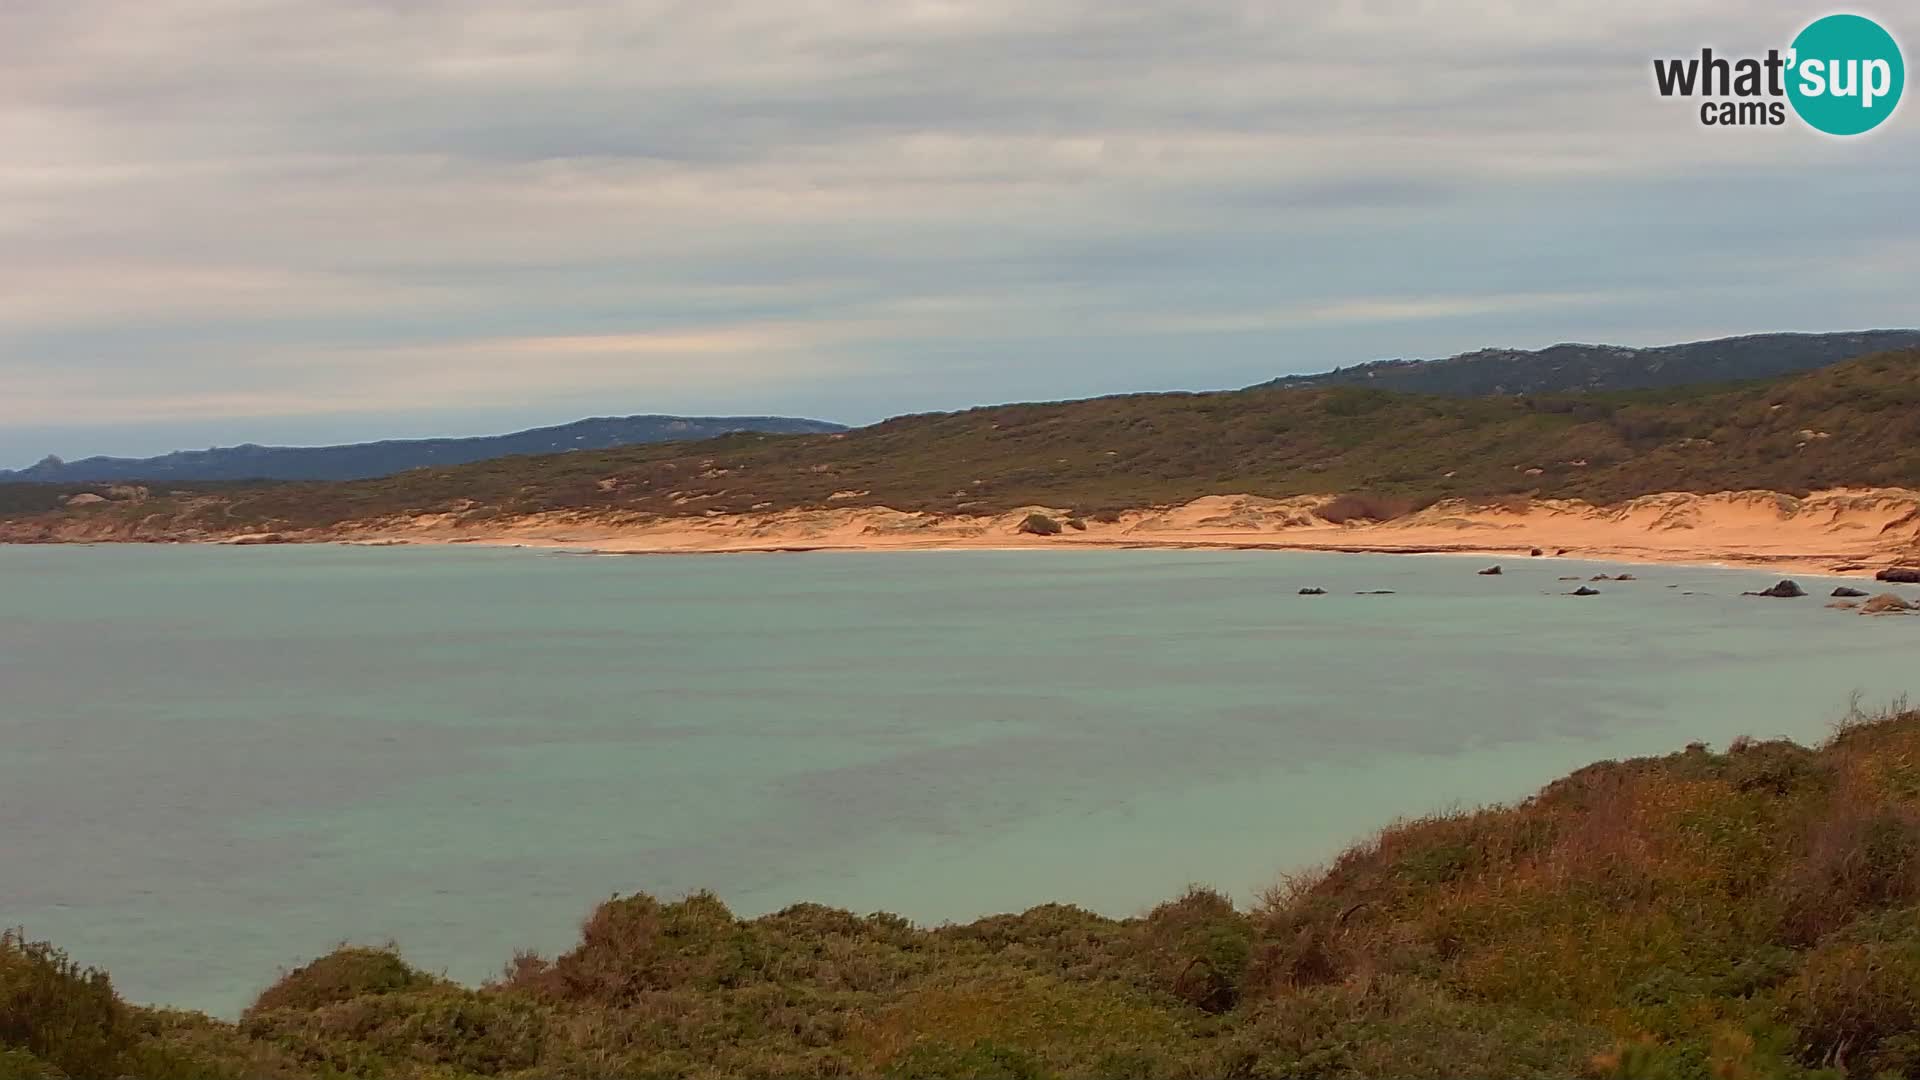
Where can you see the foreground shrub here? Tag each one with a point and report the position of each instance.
(56, 1014)
(343, 974)
(1856, 1000)
(1201, 947)
(636, 944)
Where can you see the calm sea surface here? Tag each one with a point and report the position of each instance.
(216, 762)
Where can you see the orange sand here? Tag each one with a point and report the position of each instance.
(1867, 528)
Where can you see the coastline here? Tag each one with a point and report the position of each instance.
(1839, 532)
(1846, 532)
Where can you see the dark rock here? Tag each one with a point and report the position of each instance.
(1491, 571)
(1536, 553)
(1375, 592)
(1584, 591)
(1845, 591)
(1905, 575)
(1624, 577)
(1573, 577)
(1599, 577)
(1785, 590)
(1313, 591)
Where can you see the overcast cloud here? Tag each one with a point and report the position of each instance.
(229, 220)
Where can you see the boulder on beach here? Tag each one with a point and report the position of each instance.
(1584, 591)
(1491, 571)
(1904, 575)
(1849, 592)
(1313, 591)
(1885, 604)
(1785, 590)
(1536, 553)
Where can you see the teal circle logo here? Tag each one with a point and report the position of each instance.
(1845, 74)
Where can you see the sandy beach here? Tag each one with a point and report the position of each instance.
(1848, 531)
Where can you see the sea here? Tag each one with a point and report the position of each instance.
(219, 762)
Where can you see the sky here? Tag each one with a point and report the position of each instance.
(303, 222)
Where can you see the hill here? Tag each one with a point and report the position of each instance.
(1588, 368)
(356, 461)
(1853, 424)
(1748, 913)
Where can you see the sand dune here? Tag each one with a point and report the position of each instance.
(1869, 527)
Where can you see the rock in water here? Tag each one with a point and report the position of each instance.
(1885, 604)
(1849, 593)
(1844, 605)
(1491, 571)
(1584, 591)
(1785, 590)
(1313, 591)
(1904, 575)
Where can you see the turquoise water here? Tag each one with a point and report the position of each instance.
(216, 762)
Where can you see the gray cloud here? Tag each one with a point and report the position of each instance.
(268, 219)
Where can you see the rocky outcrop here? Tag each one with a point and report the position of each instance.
(1886, 604)
(1491, 571)
(1848, 592)
(1785, 590)
(1905, 575)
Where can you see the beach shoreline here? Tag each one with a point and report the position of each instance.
(1840, 532)
(1846, 532)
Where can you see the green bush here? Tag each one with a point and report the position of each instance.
(1202, 948)
(58, 1012)
(1857, 998)
(343, 974)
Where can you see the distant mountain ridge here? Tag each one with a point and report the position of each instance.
(361, 461)
(1574, 367)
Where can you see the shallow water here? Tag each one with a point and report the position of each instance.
(216, 762)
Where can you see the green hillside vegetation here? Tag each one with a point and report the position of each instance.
(1752, 913)
(1857, 423)
(1570, 367)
